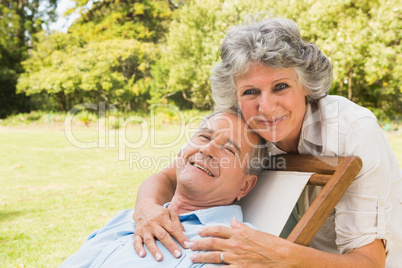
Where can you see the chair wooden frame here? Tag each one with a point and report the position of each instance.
(335, 174)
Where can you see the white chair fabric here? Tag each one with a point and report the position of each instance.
(272, 200)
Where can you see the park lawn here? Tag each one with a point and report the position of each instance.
(54, 194)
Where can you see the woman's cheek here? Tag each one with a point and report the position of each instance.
(248, 109)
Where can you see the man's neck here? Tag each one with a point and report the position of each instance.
(182, 205)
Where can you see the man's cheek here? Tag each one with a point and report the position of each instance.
(226, 163)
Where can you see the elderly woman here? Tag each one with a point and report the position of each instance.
(280, 84)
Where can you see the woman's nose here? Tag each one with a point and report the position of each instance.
(267, 104)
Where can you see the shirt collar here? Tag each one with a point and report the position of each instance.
(311, 128)
(218, 215)
(310, 141)
(311, 135)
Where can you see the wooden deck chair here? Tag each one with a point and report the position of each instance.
(272, 200)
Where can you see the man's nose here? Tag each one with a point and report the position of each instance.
(210, 149)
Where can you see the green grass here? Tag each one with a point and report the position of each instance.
(54, 194)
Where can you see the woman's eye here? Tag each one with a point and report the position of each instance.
(249, 92)
(281, 86)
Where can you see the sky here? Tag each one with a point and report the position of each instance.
(63, 23)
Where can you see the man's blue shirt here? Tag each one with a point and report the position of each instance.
(112, 245)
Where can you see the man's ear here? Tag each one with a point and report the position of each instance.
(248, 184)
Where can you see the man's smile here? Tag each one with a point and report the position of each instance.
(203, 169)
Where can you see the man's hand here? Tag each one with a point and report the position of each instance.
(154, 221)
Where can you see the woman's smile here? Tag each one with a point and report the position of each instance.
(272, 122)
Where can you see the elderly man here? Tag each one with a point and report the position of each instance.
(218, 166)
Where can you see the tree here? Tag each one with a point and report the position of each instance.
(20, 20)
(114, 71)
(143, 20)
(105, 56)
(362, 39)
(193, 47)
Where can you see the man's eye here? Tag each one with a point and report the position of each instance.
(281, 86)
(230, 150)
(205, 137)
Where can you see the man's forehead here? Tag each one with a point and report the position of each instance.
(231, 125)
(235, 124)
(224, 119)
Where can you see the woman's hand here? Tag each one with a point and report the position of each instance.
(242, 246)
(154, 221)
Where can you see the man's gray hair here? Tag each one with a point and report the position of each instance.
(276, 43)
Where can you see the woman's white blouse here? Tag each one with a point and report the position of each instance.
(372, 206)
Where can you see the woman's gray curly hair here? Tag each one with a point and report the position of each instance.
(274, 42)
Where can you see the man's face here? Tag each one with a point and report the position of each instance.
(212, 166)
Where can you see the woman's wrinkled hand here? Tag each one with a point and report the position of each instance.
(153, 221)
(241, 246)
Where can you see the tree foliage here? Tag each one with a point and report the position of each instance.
(143, 20)
(20, 20)
(105, 56)
(132, 53)
(115, 71)
(362, 38)
(193, 47)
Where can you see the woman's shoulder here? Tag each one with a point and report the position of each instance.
(338, 108)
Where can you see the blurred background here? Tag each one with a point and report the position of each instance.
(132, 53)
(128, 56)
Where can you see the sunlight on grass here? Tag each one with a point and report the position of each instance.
(54, 194)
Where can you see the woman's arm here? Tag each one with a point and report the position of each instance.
(246, 247)
(154, 221)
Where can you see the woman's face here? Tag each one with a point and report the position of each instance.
(273, 103)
